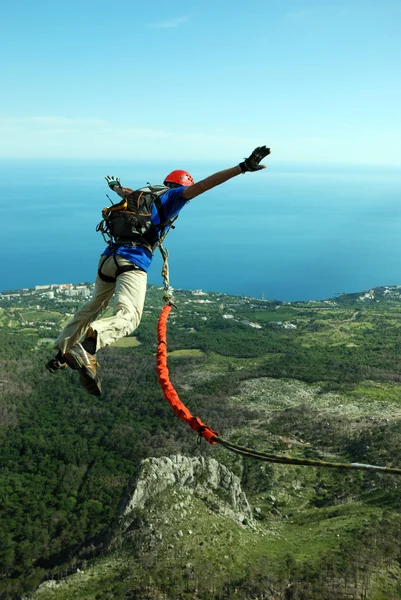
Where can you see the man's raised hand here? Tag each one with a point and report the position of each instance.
(252, 162)
(112, 181)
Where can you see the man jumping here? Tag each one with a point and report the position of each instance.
(136, 225)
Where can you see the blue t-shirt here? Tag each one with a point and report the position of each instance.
(172, 202)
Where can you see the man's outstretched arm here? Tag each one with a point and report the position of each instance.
(249, 164)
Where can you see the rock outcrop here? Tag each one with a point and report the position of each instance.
(204, 478)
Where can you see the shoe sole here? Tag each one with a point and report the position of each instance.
(92, 386)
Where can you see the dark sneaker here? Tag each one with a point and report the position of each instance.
(92, 386)
(79, 359)
(54, 365)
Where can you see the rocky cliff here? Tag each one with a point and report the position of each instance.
(201, 478)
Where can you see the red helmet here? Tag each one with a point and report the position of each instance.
(180, 178)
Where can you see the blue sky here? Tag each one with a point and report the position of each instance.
(315, 80)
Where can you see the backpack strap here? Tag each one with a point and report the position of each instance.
(164, 222)
(160, 210)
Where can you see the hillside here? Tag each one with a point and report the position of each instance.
(314, 379)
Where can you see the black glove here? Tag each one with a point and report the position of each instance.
(252, 162)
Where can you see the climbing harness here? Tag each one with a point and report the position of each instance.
(212, 436)
(119, 269)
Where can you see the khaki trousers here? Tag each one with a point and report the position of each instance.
(130, 292)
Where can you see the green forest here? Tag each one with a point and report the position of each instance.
(68, 460)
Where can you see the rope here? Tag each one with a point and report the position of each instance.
(289, 460)
(168, 295)
(204, 431)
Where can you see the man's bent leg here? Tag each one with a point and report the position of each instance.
(130, 297)
(80, 323)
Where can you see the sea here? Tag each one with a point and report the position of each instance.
(291, 232)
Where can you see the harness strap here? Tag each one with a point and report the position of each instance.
(119, 270)
(134, 240)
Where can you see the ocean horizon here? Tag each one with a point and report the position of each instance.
(291, 232)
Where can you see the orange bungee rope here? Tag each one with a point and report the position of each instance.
(168, 389)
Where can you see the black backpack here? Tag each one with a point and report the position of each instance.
(129, 221)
